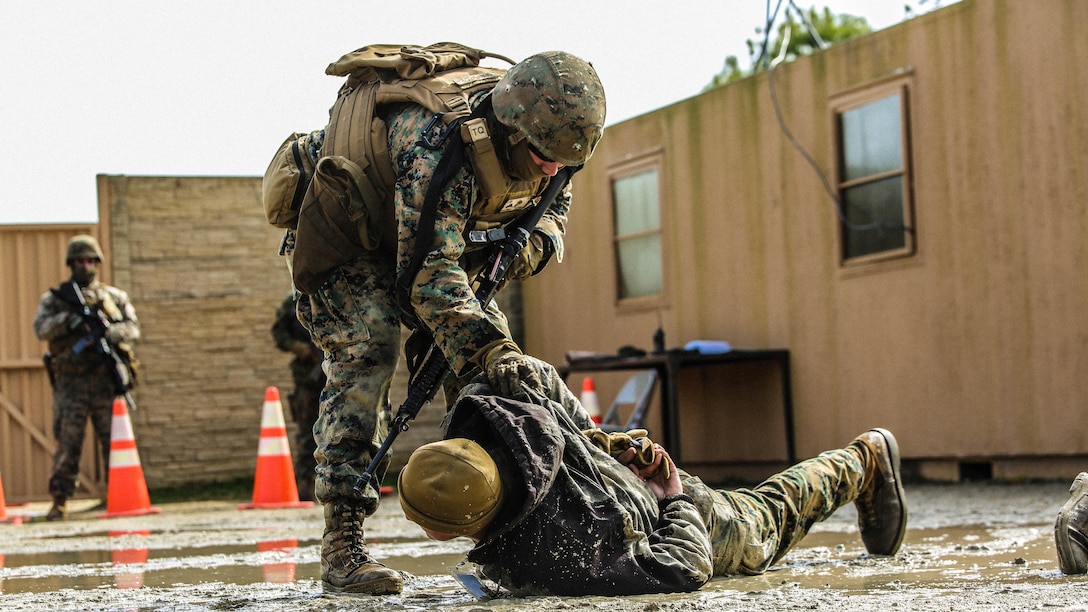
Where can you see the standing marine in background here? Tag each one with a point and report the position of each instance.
(89, 327)
(544, 113)
(290, 336)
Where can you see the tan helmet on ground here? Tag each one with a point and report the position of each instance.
(451, 487)
(557, 101)
(83, 246)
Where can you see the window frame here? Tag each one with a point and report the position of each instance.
(633, 165)
(898, 85)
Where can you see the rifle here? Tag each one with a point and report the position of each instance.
(47, 359)
(95, 340)
(430, 375)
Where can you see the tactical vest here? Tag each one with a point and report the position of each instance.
(357, 133)
(349, 193)
(441, 78)
(65, 361)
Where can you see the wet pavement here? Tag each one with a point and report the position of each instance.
(982, 546)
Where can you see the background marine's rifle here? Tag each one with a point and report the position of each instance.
(430, 375)
(95, 341)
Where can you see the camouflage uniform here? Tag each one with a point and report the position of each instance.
(304, 400)
(616, 537)
(355, 317)
(83, 384)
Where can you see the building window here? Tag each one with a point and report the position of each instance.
(637, 226)
(874, 175)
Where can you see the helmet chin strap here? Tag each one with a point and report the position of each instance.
(515, 154)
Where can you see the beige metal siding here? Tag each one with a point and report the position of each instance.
(975, 348)
(33, 261)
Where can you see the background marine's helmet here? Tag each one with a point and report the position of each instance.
(557, 101)
(83, 246)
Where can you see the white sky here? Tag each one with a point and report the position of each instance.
(211, 87)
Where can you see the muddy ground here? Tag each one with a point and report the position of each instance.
(980, 546)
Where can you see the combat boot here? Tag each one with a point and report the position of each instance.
(58, 511)
(1071, 528)
(881, 504)
(346, 565)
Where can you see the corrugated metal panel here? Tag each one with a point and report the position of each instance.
(33, 261)
(976, 347)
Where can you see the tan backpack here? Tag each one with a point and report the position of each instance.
(440, 77)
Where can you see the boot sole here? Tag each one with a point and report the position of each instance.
(1065, 539)
(380, 586)
(900, 494)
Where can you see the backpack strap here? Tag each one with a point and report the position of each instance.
(453, 158)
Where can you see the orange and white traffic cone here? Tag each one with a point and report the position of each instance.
(589, 399)
(279, 571)
(274, 484)
(127, 549)
(126, 494)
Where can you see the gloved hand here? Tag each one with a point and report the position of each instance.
(629, 447)
(532, 258)
(509, 371)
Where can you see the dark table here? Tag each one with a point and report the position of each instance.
(668, 365)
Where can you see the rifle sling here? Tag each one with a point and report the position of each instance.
(453, 158)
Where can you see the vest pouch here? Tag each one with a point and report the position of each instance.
(286, 180)
(332, 224)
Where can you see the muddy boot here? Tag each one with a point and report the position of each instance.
(346, 566)
(58, 511)
(881, 504)
(1071, 528)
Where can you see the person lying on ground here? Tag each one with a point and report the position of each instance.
(551, 511)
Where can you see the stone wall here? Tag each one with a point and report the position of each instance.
(201, 266)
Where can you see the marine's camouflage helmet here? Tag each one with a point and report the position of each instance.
(83, 246)
(556, 100)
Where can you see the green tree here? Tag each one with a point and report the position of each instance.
(803, 37)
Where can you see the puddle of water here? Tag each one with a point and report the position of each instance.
(125, 564)
(932, 558)
(942, 559)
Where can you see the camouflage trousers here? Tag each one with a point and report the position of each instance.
(354, 319)
(751, 529)
(75, 402)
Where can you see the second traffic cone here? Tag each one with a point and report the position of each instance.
(127, 548)
(589, 399)
(274, 484)
(126, 494)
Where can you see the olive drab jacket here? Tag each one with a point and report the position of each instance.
(574, 521)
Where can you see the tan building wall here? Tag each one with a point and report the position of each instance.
(975, 349)
(201, 269)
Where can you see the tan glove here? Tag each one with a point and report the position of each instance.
(509, 371)
(616, 443)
